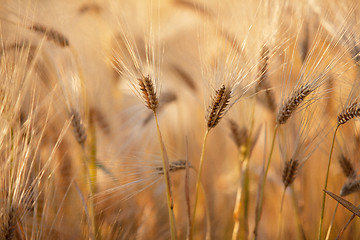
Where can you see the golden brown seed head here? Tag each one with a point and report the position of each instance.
(78, 127)
(349, 113)
(219, 104)
(289, 172)
(290, 105)
(263, 84)
(174, 166)
(51, 35)
(239, 136)
(8, 224)
(347, 167)
(148, 93)
(350, 187)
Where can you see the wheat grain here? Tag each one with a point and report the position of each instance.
(9, 224)
(51, 35)
(78, 127)
(263, 83)
(174, 166)
(238, 135)
(350, 187)
(290, 105)
(349, 113)
(347, 167)
(148, 93)
(289, 172)
(219, 105)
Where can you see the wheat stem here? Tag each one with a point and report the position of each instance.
(300, 230)
(332, 222)
(326, 182)
(241, 225)
(198, 181)
(93, 173)
(261, 196)
(345, 227)
(165, 163)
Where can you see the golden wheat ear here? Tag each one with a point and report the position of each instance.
(347, 167)
(174, 166)
(237, 134)
(50, 34)
(263, 82)
(78, 127)
(349, 113)
(8, 223)
(291, 104)
(148, 93)
(289, 172)
(351, 186)
(218, 107)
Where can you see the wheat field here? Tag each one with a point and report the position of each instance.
(179, 119)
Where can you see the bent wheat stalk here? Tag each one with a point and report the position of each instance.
(148, 93)
(326, 181)
(217, 109)
(243, 140)
(261, 196)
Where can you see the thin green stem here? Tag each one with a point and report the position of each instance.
(326, 182)
(169, 198)
(90, 202)
(199, 180)
(261, 196)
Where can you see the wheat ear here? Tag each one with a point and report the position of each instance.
(51, 35)
(215, 112)
(149, 96)
(291, 104)
(349, 113)
(218, 106)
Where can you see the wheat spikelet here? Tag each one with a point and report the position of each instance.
(174, 166)
(239, 136)
(289, 172)
(347, 167)
(349, 113)
(51, 35)
(219, 104)
(78, 127)
(290, 105)
(263, 83)
(148, 93)
(99, 117)
(8, 224)
(350, 187)
(90, 7)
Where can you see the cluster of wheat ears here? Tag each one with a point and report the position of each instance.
(179, 119)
